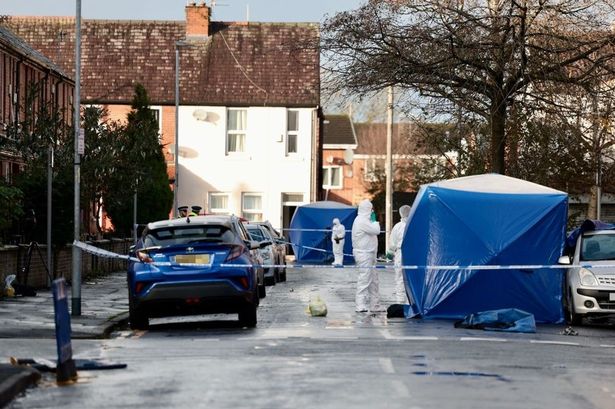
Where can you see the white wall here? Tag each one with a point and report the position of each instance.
(264, 167)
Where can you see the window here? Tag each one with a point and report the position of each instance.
(237, 120)
(332, 177)
(292, 197)
(218, 203)
(373, 167)
(292, 131)
(252, 207)
(157, 112)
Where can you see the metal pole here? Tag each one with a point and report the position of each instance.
(76, 278)
(389, 168)
(49, 203)
(134, 214)
(176, 151)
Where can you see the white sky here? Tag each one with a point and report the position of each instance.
(224, 10)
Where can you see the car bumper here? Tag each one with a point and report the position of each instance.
(594, 301)
(184, 298)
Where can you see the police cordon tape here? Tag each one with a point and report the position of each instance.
(389, 266)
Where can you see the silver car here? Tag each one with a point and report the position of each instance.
(590, 291)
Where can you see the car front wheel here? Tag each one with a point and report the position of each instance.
(572, 318)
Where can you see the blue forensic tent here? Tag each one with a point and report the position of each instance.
(310, 243)
(485, 220)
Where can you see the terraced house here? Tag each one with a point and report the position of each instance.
(28, 81)
(249, 117)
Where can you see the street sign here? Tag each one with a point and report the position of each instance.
(65, 370)
(81, 144)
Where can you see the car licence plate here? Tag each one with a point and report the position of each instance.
(611, 296)
(192, 259)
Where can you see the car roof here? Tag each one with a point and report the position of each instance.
(222, 220)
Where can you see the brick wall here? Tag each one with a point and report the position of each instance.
(13, 260)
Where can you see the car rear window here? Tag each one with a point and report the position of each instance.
(167, 236)
(256, 234)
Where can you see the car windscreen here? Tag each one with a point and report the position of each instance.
(598, 247)
(256, 233)
(166, 236)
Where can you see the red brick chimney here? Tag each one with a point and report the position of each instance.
(197, 19)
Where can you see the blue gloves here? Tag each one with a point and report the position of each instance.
(372, 217)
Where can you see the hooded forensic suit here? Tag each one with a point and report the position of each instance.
(365, 245)
(395, 240)
(338, 233)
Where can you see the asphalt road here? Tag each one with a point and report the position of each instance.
(292, 360)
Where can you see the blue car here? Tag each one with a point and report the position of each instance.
(179, 270)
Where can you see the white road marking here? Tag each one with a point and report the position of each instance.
(387, 365)
(401, 388)
(387, 335)
(607, 346)
(483, 339)
(535, 341)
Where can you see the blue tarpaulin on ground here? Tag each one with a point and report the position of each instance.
(319, 216)
(507, 320)
(485, 220)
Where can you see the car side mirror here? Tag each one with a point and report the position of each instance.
(564, 260)
(264, 244)
(254, 245)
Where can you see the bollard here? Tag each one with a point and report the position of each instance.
(65, 369)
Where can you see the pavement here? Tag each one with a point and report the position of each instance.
(104, 307)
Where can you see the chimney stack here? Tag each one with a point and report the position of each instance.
(197, 19)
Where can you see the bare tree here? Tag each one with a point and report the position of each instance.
(481, 56)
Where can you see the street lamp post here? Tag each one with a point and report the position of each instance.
(176, 150)
(76, 275)
(389, 168)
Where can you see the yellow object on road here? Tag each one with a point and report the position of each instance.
(317, 307)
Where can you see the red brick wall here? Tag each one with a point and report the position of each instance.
(13, 258)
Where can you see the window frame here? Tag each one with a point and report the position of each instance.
(248, 212)
(292, 132)
(235, 132)
(326, 184)
(218, 210)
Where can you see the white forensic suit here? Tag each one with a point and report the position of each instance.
(395, 241)
(338, 233)
(365, 246)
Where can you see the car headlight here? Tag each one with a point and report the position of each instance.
(587, 278)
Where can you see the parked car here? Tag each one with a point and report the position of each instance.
(179, 270)
(267, 251)
(589, 291)
(280, 246)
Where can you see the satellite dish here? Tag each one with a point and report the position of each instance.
(348, 156)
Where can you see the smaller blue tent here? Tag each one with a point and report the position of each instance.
(310, 231)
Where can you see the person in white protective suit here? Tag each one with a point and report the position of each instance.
(395, 241)
(365, 230)
(338, 234)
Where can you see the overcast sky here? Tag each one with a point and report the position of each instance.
(224, 10)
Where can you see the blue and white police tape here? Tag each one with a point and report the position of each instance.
(389, 266)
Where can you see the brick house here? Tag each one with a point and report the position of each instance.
(348, 183)
(249, 101)
(21, 69)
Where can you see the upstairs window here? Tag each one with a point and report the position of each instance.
(292, 131)
(237, 123)
(332, 177)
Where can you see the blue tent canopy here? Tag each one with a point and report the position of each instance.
(485, 220)
(315, 246)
